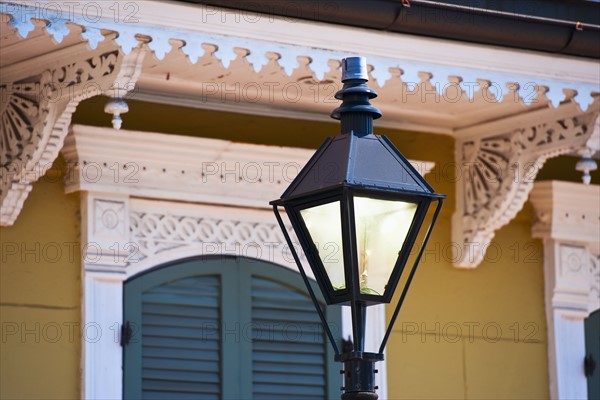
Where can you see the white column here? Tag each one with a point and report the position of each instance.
(571, 383)
(567, 287)
(104, 238)
(567, 219)
(101, 349)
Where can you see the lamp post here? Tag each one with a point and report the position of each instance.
(360, 195)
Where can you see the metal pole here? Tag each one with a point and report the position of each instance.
(359, 367)
(361, 325)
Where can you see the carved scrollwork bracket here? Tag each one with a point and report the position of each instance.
(36, 110)
(498, 172)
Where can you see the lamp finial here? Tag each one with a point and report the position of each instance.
(354, 68)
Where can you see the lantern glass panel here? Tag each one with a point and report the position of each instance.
(381, 229)
(324, 224)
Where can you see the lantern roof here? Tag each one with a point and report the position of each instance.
(360, 161)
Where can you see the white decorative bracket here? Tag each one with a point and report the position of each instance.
(567, 219)
(38, 99)
(496, 172)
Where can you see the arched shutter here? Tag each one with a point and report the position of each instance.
(225, 329)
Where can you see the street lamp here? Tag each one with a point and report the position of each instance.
(360, 195)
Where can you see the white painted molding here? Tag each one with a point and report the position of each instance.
(131, 226)
(258, 34)
(38, 99)
(566, 211)
(182, 168)
(161, 231)
(567, 218)
(497, 172)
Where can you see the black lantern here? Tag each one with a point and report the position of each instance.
(358, 208)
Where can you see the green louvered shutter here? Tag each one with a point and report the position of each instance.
(176, 351)
(177, 361)
(288, 347)
(592, 350)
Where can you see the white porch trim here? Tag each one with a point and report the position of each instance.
(183, 168)
(156, 23)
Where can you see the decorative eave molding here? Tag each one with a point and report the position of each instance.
(258, 34)
(182, 168)
(39, 97)
(497, 171)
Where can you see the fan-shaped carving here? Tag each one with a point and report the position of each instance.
(35, 114)
(498, 173)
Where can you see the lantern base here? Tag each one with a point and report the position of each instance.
(360, 396)
(359, 375)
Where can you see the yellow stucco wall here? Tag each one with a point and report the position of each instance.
(474, 334)
(426, 356)
(40, 297)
